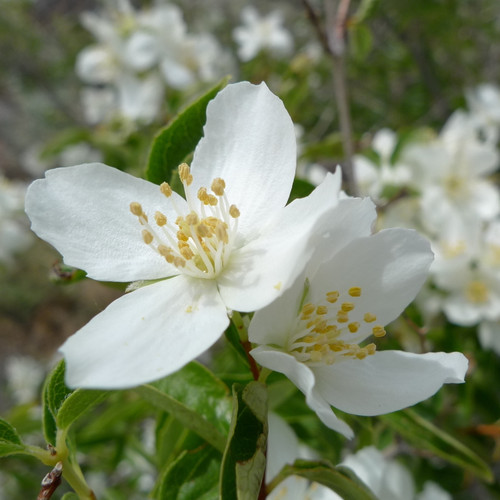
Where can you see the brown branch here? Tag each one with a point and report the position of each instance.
(50, 482)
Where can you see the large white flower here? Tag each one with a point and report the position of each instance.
(231, 244)
(355, 284)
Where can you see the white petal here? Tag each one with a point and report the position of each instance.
(390, 267)
(145, 335)
(282, 446)
(249, 142)
(304, 379)
(388, 381)
(84, 212)
(259, 272)
(489, 335)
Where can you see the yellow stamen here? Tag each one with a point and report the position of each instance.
(218, 186)
(355, 291)
(160, 219)
(347, 306)
(378, 331)
(332, 297)
(234, 212)
(353, 327)
(166, 189)
(369, 317)
(147, 236)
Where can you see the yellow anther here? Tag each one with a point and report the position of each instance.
(202, 230)
(221, 233)
(234, 212)
(211, 200)
(192, 219)
(321, 310)
(160, 219)
(353, 327)
(369, 317)
(308, 339)
(218, 186)
(147, 236)
(202, 194)
(320, 327)
(371, 348)
(164, 251)
(378, 331)
(186, 252)
(136, 208)
(308, 309)
(185, 174)
(342, 317)
(361, 354)
(179, 262)
(347, 306)
(182, 236)
(166, 189)
(332, 297)
(355, 291)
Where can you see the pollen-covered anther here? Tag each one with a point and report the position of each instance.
(234, 212)
(202, 230)
(179, 262)
(192, 219)
(332, 297)
(307, 310)
(186, 252)
(164, 251)
(136, 208)
(353, 327)
(182, 236)
(185, 174)
(347, 306)
(321, 310)
(160, 219)
(218, 186)
(369, 318)
(166, 189)
(342, 317)
(147, 236)
(221, 233)
(378, 331)
(355, 291)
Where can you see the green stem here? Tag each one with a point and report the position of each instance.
(240, 326)
(71, 470)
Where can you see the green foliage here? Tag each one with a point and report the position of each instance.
(196, 398)
(339, 479)
(10, 441)
(244, 459)
(426, 436)
(62, 405)
(176, 141)
(194, 475)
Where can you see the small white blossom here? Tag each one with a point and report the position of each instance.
(262, 33)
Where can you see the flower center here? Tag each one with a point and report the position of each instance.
(455, 186)
(453, 250)
(197, 243)
(323, 330)
(477, 292)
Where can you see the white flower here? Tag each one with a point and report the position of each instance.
(388, 479)
(484, 105)
(258, 33)
(373, 178)
(450, 172)
(354, 285)
(230, 245)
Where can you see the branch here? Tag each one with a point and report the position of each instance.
(50, 482)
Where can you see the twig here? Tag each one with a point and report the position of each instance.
(50, 482)
(332, 38)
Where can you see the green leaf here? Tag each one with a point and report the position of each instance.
(339, 479)
(194, 475)
(70, 496)
(300, 189)
(10, 441)
(244, 460)
(62, 405)
(426, 436)
(77, 404)
(234, 340)
(178, 139)
(198, 399)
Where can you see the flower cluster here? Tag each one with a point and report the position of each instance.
(443, 186)
(137, 54)
(322, 284)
